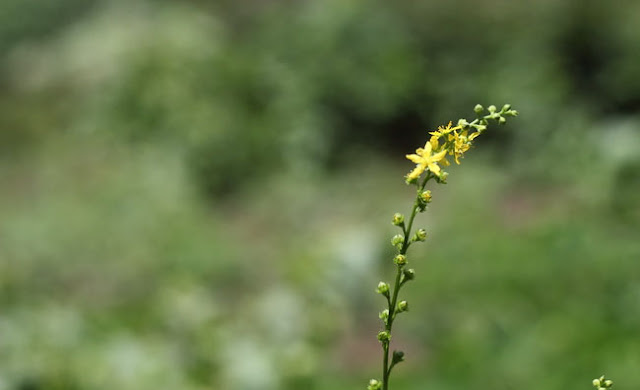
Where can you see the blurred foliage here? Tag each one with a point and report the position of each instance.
(195, 195)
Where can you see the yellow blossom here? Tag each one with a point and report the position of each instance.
(434, 142)
(460, 143)
(444, 130)
(424, 159)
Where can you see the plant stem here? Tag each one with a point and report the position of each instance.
(386, 370)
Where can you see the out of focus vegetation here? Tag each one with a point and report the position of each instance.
(197, 195)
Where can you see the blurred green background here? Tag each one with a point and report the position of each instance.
(197, 195)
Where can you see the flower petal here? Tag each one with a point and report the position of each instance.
(438, 156)
(417, 171)
(415, 158)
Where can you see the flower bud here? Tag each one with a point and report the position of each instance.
(463, 123)
(502, 120)
(398, 356)
(478, 109)
(425, 196)
(397, 240)
(400, 260)
(398, 219)
(374, 384)
(384, 336)
(384, 315)
(506, 107)
(411, 180)
(408, 274)
(442, 178)
(480, 127)
(602, 383)
(403, 306)
(492, 108)
(383, 288)
(420, 235)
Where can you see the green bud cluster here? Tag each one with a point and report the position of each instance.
(384, 336)
(384, 315)
(397, 240)
(424, 198)
(398, 219)
(602, 383)
(398, 356)
(420, 235)
(413, 180)
(400, 260)
(442, 179)
(482, 121)
(408, 274)
(383, 288)
(374, 384)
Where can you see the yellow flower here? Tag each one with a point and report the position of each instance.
(434, 142)
(424, 159)
(444, 130)
(460, 143)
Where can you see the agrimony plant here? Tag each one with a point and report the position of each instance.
(445, 142)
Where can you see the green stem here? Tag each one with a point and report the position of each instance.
(386, 370)
(385, 364)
